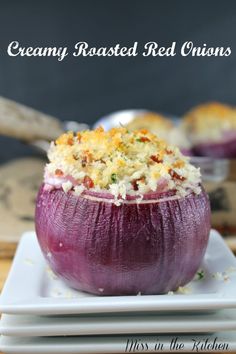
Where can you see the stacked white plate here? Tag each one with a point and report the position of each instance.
(42, 315)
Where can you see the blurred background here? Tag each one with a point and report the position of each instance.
(86, 89)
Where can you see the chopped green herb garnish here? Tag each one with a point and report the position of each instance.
(113, 177)
(143, 139)
(200, 274)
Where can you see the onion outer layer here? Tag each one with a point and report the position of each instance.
(98, 247)
(224, 149)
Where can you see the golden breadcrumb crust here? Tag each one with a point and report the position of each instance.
(209, 121)
(121, 161)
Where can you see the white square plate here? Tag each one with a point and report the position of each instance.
(32, 289)
(117, 344)
(35, 326)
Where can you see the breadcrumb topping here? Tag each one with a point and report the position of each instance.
(120, 162)
(155, 122)
(210, 121)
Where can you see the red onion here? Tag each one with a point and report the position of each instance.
(186, 151)
(148, 247)
(224, 149)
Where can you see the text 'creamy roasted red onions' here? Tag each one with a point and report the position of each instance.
(148, 247)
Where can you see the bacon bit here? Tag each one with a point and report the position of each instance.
(88, 182)
(59, 172)
(135, 182)
(144, 131)
(144, 139)
(100, 160)
(87, 158)
(70, 141)
(84, 161)
(75, 157)
(79, 136)
(66, 139)
(175, 175)
(156, 159)
(169, 152)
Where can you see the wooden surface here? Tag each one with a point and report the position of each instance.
(5, 265)
(4, 269)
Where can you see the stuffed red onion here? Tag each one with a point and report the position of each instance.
(121, 213)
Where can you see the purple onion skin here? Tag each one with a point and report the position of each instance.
(104, 249)
(225, 149)
(186, 151)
